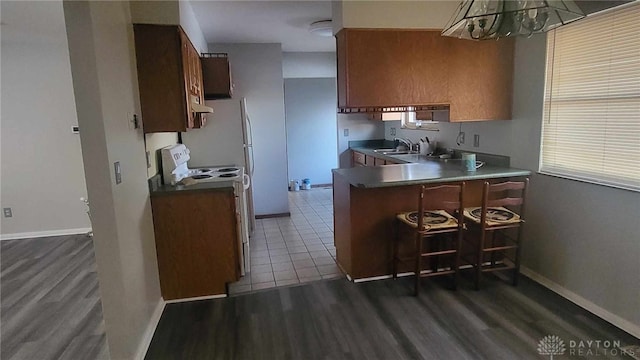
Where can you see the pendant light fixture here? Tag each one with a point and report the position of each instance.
(494, 19)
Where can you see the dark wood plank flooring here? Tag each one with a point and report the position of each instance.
(50, 300)
(336, 319)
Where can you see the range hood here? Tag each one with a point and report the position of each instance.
(196, 107)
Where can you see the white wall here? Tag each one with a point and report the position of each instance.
(429, 14)
(310, 108)
(257, 75)
(494, 135)
(191, 26)
(309, 65)
(153, 143)
(42, 171)
(105, 86)
(360, 128)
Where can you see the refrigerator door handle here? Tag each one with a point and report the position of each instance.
(246, 181)
(249, 139)
(252, 162)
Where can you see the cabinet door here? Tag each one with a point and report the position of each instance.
(379, 162)
(196, 243)
(217, 76)
(369, 160)
(391, 67)
(480, 80)
(358, 159)
(161, 78)
(189, 76)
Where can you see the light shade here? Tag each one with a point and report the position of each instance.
(493, 19)
(321, 28)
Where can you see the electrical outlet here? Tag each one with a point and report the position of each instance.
(476, 140)
(7, 212)
(118, 172)
(75, 129)
(148, 155)
(461, 135)
(392, 131)
(346, 132)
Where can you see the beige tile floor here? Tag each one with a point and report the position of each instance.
(296, 249)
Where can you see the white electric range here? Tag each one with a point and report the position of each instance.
(175, 171)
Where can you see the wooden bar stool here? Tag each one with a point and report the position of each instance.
(496, 227)
(436, 228)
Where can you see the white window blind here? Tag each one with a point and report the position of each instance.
(591, 121)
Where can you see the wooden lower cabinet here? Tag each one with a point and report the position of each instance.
(196, 242)
(360, 159)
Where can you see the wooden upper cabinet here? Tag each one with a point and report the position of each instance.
(381, 68)
(169, 75)
(402, 67)
(216, 74)
(480, 79)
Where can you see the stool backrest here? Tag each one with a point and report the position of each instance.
(442, 197)
(506, 194)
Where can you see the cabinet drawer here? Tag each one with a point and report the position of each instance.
(358, 158)
(379, 161)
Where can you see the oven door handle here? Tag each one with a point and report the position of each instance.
(246, 181)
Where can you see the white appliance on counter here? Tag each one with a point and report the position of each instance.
(175, 169)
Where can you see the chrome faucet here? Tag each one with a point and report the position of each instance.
(406, 142)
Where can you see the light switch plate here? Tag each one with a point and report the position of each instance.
(392, 131)
(346, 132)
(118, 172)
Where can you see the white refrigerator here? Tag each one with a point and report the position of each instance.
(247, 147)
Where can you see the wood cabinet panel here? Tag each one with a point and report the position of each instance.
(481, 83)
(216, 76)
(369, 160)
(358, 159)
(378, 161)
(399, 67)
(381, 68)
(196, 243)
(169, 74)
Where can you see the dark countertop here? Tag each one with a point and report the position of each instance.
(420, 169)
(156, 188)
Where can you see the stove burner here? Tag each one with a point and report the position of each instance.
(430, 218)
(228, 170)
(493, 214)
(201, 177)
(228, 175)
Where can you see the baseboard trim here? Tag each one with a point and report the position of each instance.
(268, 216)
(208, 297)
(143, 347)
(39, 234)
(582, 302)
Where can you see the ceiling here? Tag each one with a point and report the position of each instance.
(285, 22)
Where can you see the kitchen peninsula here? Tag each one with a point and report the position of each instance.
(367, 199)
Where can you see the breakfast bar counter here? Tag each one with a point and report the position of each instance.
(367, 199)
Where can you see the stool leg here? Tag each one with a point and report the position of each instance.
(479, 258)
(516, 270)
(456, 260)
(418, 262)
(396, 240)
